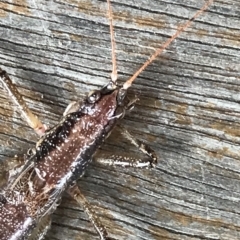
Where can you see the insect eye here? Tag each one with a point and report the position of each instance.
(93, 96)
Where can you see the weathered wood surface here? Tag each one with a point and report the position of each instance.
(189, 109)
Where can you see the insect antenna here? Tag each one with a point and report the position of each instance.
(113, 43)
(129, 82)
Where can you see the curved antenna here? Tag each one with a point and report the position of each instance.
(129, 82)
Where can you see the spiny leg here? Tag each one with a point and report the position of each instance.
(144, 148)
(127, 161)
(16, 97)
(75, 193)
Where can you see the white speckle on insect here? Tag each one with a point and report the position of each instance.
(74, 130)
(59, 149)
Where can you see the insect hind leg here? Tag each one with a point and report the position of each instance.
(76, 194)
(17, 98)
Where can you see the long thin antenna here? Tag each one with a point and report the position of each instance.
(129, 82)
(113, 43)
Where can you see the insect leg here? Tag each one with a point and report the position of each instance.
(16, 97)
(127, 161)
(75, 192)
(140, 145)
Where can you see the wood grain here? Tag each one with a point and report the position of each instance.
(57, 51)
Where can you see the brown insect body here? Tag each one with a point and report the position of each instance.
(60, 157)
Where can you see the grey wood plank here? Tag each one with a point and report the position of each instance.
(57, 51)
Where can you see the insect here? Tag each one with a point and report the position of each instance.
(35, 187)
